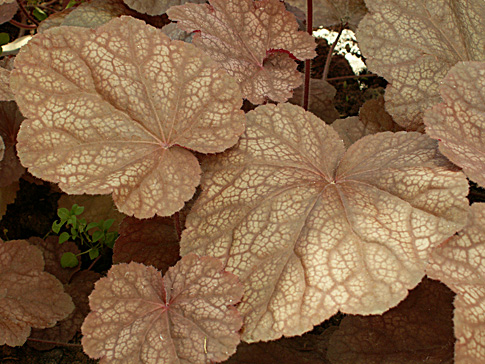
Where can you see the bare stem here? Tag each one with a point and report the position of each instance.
(22, 26)
(330, 53)
(308, 62)
(27, 14)
(94, 262)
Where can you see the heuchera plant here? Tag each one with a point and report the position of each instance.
(297, 219)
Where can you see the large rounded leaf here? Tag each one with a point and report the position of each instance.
(115, 109)
(185, 317)
(311, 229)
(460, 263)
(414, 43)
(459, 122)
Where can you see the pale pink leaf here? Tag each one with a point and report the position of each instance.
(418, 330)
(156, 7)
(459, 122)
(414, 43)
(460, 264)
(252, 40)
(150, 241)
(185, 317)
(115, 110)
(29, 297)
(329, 13)
(311, 229)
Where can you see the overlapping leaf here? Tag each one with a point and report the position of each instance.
(460, 264)
(156, 7)
(328, 13)
(185, 317)
(311, 229)
(414, 43)
(252, 40)
(418, 330)
(115, 110)
(29, 297)
(459, 122)
(5, 92)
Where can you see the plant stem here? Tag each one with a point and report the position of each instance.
(57, 343)
(308, 62)
(330, 53)
(22, 26)
(27, 14)
(94, 262)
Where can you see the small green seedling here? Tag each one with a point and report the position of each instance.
(78, 229)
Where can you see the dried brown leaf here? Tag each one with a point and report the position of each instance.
(7, 196)
(252, 40)
(10, 119)
(115, 110)
(418, 330)
(311, 229)
(96, 208)
(321, 100)
(29, 297)
(8, 8)
(5, 92)
(459, 122)
(185, 317)
(460, 264)
(150, 241)
(414, 43)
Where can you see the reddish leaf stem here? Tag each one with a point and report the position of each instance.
(176, 220)
(23, 26)
(330, 53)
(57, 343)
(308, 62)
(27, 14)
(94, 262)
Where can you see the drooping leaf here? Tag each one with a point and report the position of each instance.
(459, 122)
(185, 317)
(29, 297)
(321, 100)
(156, 7)
(418, 330)
(460, 264)
(414, 43)
(115, 110)
(311, 229)
(252, 40)
(150, 241)
(10, 119)
(372, 119)
(329, 13)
